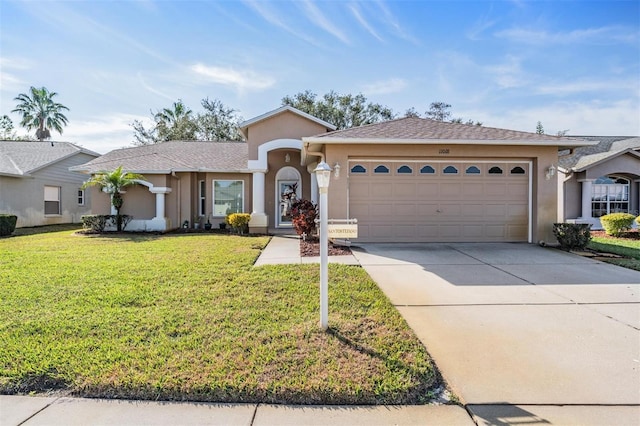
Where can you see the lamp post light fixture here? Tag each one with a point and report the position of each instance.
(323, 175)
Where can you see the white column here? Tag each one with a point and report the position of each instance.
(586, 198)
(258, 193)
(259, 220)
(159, 205)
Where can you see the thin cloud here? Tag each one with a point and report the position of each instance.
(392, 22)
(481, 25)
(595, 36)
(241, 80)
(318, 18)
(508, 74)
(585, 86)
(9, 81)
(362, 21)
(392, 85)
(274, 19)
(153, 90)
(105, 133)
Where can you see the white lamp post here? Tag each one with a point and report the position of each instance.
(323, 175)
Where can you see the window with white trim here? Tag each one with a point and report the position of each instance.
(51, 200)
(609, 195)
(81, 197)
(228, 197)
(201, 198)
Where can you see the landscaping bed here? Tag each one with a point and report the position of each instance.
(311, 247)
(623, 250)
(188, 317)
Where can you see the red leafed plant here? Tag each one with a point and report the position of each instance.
(304, 213)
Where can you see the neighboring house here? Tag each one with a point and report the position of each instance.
(37, 186)
(409, 179)
(600, 179)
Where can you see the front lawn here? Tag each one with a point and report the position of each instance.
(187, 317)
(628, 246)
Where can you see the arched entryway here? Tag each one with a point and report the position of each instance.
(288, 186)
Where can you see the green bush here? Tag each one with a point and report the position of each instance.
(7, 224)
(572, 235)
(239, 221)
(616, 223)
(97, 222)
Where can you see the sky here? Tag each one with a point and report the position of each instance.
(572, 65)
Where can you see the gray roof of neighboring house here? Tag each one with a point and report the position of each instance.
(415, 128)
(21, 158)
(607, 147)
(174, 156)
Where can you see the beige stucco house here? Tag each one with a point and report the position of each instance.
(37, 186)
(409, 179)
(600, 179)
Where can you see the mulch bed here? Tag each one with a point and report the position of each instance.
(311, 247)
(634, 234)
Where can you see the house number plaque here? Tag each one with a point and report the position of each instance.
(444, 151)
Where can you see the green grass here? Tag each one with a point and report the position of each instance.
(629, 248)
(187, 317)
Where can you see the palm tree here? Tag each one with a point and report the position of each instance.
(176, 123)
(113, 183)
(39, 111)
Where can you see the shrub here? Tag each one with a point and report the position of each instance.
(304, 214)
(7, 224)
(616, 223)
(239, 221)
(97, 222)
(572, 235)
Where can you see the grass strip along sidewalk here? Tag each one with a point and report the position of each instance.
(187, 317)
(628, 245)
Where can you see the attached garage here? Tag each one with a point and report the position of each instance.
(409, 200)
(420, 180)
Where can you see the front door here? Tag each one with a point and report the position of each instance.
(287, 194)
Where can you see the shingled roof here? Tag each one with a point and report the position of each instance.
(422, 129)
(21, 158)
(607, 147)
(174, 156)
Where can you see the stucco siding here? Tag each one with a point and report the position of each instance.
(282, 126)
(24, 197)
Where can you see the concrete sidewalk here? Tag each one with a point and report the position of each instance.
(285, 250)
(27, 410)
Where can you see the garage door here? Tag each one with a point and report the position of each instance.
(439, 201)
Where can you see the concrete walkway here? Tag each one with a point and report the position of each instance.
(285, 250)
(522, 334)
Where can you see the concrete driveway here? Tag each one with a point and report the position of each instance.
(523, 334)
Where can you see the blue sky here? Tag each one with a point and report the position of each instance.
(573, 65)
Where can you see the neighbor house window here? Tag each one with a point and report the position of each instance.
(609, 195)
(228, 197)
(81, 197)
(51, 200)
(201, 198)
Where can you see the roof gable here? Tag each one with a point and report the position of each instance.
(606, 149)
(286, 108)
(21, 158)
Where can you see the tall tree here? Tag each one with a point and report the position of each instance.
(343, 111)
(39, 111)
(113, 183)
(411, 112)
(439, 111)
(218, 123)
(6, 128)
(539, 128)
